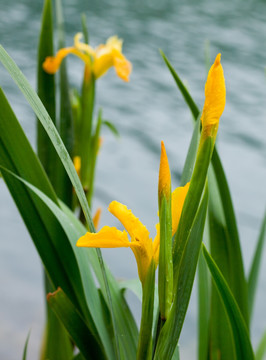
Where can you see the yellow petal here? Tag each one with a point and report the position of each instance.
(52, 63)
(141, 243)
(96, 218)
(102, 64)
(82, 46)
(107, 237)
(178, 199)
(122, 66)
(109, 55)
(215, 94)
(164, 186)
(130, 222)
(114, 42)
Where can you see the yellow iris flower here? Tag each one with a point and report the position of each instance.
(141, 243)
(97, 61)
(215, 94)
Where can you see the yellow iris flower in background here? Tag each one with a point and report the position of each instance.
(144, 248)
(97, 61)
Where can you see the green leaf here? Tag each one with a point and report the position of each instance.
(26, 347)
(229, 260)
(85, 28)
(261, 350)
(187, 97)
(223, 223)
(255, 267)
(111, 127)
(95, 144)
(145, 333)
(75, 325)
(169, 335)
(243, 348)
(191, 155)
(203, 308)
(46, 92)
(66, 124)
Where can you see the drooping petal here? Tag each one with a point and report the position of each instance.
(130, 222)
(215, 94)
(123, 67)
(178, 199)
(107, 237)
(52, 63)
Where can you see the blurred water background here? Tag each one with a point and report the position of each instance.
(145, 111)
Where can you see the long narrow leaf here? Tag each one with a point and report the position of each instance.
(255, 267)
(65, 123)
(26, 347)
(46, 92)
(261, 350)
(75, 325)
(241, 338)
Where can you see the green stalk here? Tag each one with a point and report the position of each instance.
(46, 92)
(87, 106)
(192, 200)
(165, 257)
(145, 334)
(94, 153)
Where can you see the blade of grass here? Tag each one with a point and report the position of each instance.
(255, 266)
(241, 338)
(203, 308)
(65, 123)
(46, 92)
(261, 350)
(26, 347)
(75, 325)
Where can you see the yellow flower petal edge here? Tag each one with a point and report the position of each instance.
(164, 175)
(97, 61)
(215, 95)
(130, 222)
(178, 199)
(107, 237)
